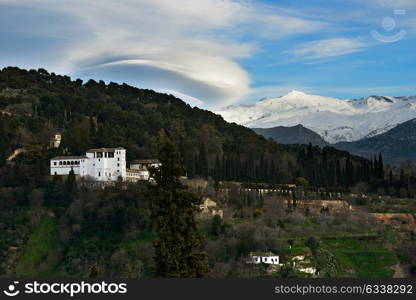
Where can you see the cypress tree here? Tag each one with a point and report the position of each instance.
(349, 171)
(325, 167)
(70, 188)
(218, 169)
(380, 167)
(375, 167)
(178, 246)
(391, 178)
(332, 174)
(338, 173)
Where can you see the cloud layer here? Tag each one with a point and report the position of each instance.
(211, 53)
(329, 48)
(188, 47)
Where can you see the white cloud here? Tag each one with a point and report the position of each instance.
(329, 48)
(188, 46)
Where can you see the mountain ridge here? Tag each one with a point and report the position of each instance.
(344, 120)
(292, 135)
(397, 145)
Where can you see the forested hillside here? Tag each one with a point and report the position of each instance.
(397, 144)
(36, 104)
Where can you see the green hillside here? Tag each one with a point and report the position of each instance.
(50, 226)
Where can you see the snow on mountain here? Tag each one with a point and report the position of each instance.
(334, 119)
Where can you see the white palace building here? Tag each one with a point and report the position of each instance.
(103, 164)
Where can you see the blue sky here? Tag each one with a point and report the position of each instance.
(214, 53)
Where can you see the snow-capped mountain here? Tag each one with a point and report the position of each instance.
(334, 119)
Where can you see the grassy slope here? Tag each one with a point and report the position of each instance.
(37, 257)
(368, 258)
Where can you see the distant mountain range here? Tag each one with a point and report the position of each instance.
(397, 145)
(292, 135)
(364, 127)
(333, 119)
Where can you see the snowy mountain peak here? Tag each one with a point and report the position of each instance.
(334, 119)
(295, 93)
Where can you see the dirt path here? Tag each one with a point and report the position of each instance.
(16, 153)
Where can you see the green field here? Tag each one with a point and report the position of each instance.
(40, 257)
(368, 258)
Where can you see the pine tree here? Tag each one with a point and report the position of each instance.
(178, 246)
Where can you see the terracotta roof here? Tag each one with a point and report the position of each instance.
(68, 157)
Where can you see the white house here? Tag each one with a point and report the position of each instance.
(104, 164)
(139, 169)
(136, 175)
(268, 259)
(62, 165)
(144, 164)
(209, 208)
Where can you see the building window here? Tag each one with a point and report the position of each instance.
(56, 173)
(118, 158)
(118, 165)
(54, 163)
(99, 154)
(118, 171)
(110, 154)
(99, 174)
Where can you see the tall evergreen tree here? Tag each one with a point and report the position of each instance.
(70, 188)
(178, 245)
(349, 169)
(380, 167)
(338, 172)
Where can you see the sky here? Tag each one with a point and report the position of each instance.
(216, 53)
